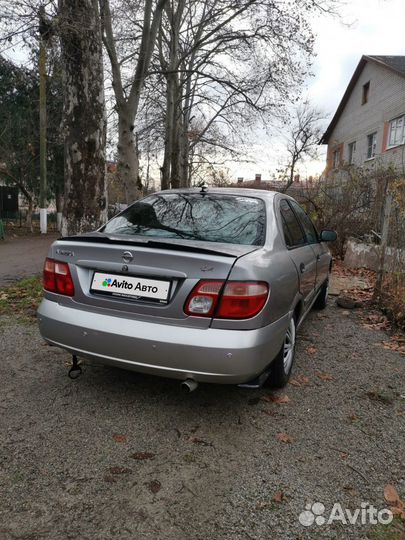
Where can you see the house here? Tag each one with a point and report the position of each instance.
(369, 124)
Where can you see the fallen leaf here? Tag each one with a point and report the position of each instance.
(398, 511)
(353, 417)
(284, 437)
(142, 455)
(397, 506)
(119, 470)
(197, 440)
(396, 345)
(279, 497)
(299, 380)
(155, 486)
(344, 455)
(279, 399)
(311, 350)
(324, 376)
(119, 438)
(391, 494)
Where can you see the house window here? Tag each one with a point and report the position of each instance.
(352, 151)
(366, 90)
(397, 131)
(371, 145)
(336, 158)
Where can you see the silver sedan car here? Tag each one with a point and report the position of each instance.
(201, 285)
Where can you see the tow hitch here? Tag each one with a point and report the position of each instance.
(75, 371)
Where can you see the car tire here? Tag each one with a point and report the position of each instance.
(322, 299)
(281, 366)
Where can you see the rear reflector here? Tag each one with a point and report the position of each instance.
(233, 300)
(57, 278)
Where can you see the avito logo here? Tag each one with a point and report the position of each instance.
(123, 284)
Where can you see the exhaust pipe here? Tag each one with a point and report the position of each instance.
(189, 385)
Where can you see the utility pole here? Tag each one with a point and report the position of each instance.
(43, 30)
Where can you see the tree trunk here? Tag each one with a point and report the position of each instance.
(28, 219)
(128, 158)
(171, 163)
(176, 180)
(128, 104)
(85, 207)
(59, 208)
(166, 167)
(185, 148)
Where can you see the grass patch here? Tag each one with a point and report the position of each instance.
(393, 531)
(22, 299)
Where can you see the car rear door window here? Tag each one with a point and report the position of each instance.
(307, 225)
(293, 233)
(208, 217)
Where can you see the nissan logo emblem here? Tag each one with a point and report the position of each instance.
(127, 257)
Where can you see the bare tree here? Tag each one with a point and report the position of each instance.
(128, 97)
(302, 137)
(227, 66)
(85, 205)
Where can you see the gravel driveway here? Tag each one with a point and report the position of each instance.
(23, 256)
(121, 455)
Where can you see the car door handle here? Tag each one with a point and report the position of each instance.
(302, 268)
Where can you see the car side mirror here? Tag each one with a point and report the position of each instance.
(327, 235)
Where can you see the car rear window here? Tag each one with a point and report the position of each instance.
(207, 217)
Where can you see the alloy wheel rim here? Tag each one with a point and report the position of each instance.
(289, 345)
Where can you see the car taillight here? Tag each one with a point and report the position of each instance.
(203, 298)
(242, 299)
(57, 278)
(230, 300)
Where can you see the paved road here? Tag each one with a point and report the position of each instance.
(213, 467)
(23, 256)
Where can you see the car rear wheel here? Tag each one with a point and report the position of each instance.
(322, 299)
(282, 365)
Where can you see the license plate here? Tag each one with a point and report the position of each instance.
(131, 287)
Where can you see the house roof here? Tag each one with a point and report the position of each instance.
(394, 63)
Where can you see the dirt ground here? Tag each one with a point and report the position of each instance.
(118, 455)
(23, 256)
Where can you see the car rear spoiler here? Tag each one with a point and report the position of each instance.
(231, 250)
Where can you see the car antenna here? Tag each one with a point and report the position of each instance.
(204, 188)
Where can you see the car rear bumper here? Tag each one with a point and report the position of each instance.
(205, 355)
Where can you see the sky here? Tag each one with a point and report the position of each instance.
(364, 27)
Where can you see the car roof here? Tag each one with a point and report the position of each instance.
(247, 192)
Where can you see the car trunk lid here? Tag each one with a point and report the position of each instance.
(173, 265)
